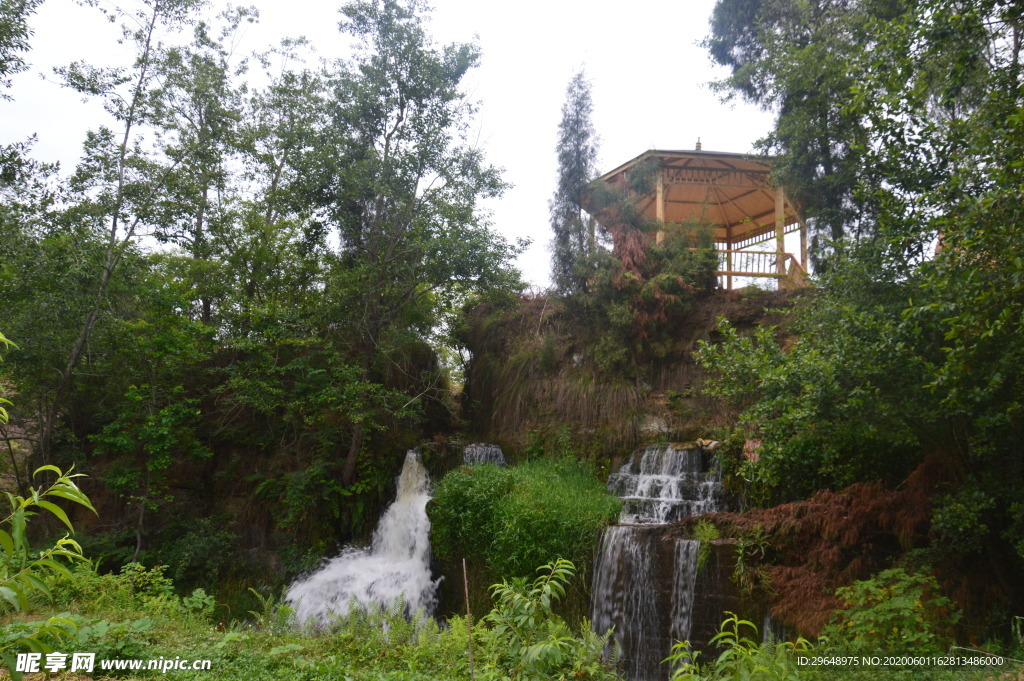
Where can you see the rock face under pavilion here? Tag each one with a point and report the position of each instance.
(733, 195)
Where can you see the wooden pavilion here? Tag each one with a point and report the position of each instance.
(732, 194)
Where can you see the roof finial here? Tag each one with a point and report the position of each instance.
(698, 144)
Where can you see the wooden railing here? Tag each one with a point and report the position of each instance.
(760, 264)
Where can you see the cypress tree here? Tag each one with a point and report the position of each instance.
(574, 243)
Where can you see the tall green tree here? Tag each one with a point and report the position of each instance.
(197, 109)
(575, 245)
(403, 191)
(117, 183)
(14, 36)
(793, 57)
(935, 89)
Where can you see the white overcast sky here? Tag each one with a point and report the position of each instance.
(649, 77)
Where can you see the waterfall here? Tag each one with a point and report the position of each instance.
(480, 452)
(624, 596)
(397, 562)
(645, 581)
(661, 484)
(684, 582)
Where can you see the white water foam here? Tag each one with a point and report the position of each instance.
(396, 564)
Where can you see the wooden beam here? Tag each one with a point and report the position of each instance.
(803, 245)
(780, 219)
(660, 205)
(728, 258)
(773, 275)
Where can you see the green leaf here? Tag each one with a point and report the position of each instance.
(53, 565)
(57, 511)
(72, 494)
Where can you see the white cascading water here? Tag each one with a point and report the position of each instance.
(683, 583)
(660, 484)
(396, 564)
(481, 452)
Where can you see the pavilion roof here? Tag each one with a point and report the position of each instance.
(731, 192)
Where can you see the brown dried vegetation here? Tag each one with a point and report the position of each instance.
(835, 538)
(532, 369)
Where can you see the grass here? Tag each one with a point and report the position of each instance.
(136, 615)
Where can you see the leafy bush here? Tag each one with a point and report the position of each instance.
(513, 518)
(199, 552)
(528, 642)
(741, 656)
(705, 532)
(894, 610)
(199, 602)
(133, 591)
(843, 404)
(23, 572)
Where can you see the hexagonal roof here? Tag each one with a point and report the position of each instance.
(731, 192)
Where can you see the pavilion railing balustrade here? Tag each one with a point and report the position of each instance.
(757, 264)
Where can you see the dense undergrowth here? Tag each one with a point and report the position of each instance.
(506, 521)
(513, 518)
(137, 615)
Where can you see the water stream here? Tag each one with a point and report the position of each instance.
(396, 563)
(645, 582)
(481, 452)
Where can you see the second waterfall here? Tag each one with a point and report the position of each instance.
(645, 581)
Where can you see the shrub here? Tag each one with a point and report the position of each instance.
(893, 610)
(528, 642)
(741, 657)
(705, 532)
(514, 518)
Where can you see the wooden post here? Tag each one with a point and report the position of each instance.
(803, 245)
(469, 617)
(659, 205)
(728, 258)
(780, 239)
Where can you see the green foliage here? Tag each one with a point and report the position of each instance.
(24, 573)
(642, 291)
(893, 611)
(146, 583)
(751, 553)
(509, 516)
(110, 640)
(958, 519)
(904, 126)
(528, 642)
(200, 551)
(741, 656)
(273, 615)
(14, 35)
(705, 532)
(38, 636)
(21, 569)
(4, 344)
(199, 602)
(130, 639)
(319, 233)
(843, 405)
